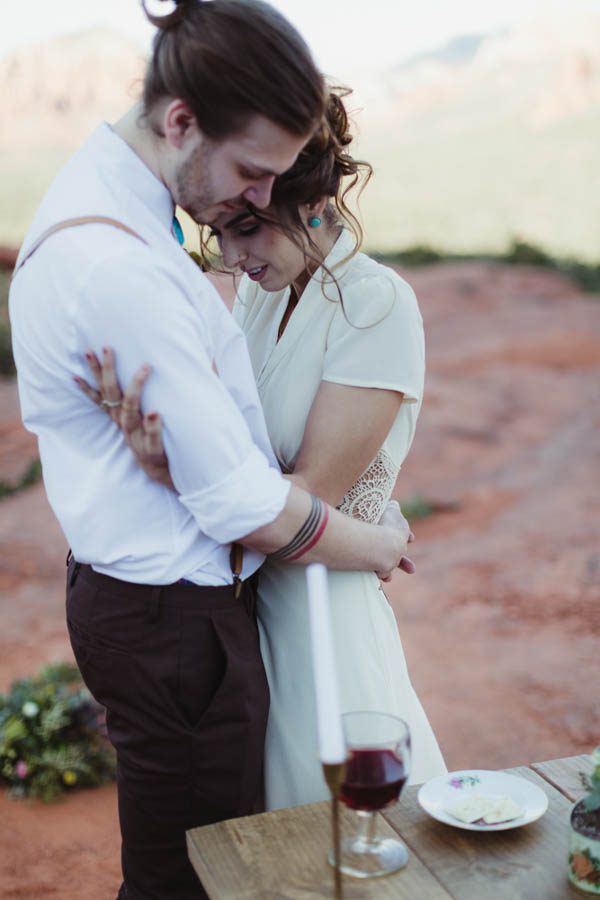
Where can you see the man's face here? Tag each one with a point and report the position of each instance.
(222, 176)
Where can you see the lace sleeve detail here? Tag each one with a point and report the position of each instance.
(367, 498)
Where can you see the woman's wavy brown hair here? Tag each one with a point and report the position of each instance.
(324, 168)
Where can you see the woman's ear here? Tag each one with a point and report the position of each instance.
(316, 210)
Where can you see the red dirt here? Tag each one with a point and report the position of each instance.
(502, 620)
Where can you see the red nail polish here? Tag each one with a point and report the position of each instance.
(152, 417)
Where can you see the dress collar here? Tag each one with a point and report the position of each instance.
(336, 260)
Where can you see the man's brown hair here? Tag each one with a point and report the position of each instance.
(229, 60)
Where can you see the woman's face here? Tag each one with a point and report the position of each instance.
(260, 250)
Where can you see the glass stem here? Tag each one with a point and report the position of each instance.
(367, 826)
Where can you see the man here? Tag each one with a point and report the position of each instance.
(161, 629)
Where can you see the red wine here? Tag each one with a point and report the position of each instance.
(374, 779)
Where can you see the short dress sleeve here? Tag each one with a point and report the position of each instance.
(378, 342)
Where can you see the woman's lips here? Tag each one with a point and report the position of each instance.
(257, 273)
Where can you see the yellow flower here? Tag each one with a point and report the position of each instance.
(69, 777)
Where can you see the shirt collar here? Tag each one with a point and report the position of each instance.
(142, 183)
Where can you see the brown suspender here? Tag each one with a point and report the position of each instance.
(74, 223)
(236, 557)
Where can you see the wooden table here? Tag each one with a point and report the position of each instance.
(280, 855)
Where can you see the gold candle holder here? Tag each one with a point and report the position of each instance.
(334, 774)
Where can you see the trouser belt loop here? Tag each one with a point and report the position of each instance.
(73, 568)
(154, 604)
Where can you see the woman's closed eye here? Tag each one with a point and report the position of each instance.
(247, 230)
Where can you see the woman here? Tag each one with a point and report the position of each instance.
(336, 343)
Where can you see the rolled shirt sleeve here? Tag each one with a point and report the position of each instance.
(146, 315)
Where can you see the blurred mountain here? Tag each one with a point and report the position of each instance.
(53, 95)
(486, 138)
(489, 137)
(56, 92)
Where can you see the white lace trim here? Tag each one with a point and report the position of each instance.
(367, 498)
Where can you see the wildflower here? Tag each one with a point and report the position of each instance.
(21, 769)
(69, 777)
(30, 709)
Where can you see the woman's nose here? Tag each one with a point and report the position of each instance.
(233, 253)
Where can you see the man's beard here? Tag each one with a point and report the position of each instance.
(194, 190)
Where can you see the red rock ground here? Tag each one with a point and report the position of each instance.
(501, 622)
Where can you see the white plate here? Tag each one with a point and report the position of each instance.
(438, 793)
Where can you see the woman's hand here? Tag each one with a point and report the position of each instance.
(393, 517)
(141, 432)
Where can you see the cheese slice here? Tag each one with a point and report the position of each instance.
(503, 809)
(468, 808)
(474, 807)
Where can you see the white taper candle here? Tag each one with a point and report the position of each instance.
(332, 747)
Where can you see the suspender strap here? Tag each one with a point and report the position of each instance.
(237, 551)
(74, 223)
(236, 561)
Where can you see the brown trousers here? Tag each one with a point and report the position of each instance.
(179, 671)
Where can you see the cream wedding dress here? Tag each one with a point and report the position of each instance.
(319, 342)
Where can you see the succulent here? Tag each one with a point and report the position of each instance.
(592, 784)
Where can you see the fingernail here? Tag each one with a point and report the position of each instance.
(152, 417)
(105, 350)
(76, 379)
(89, 354)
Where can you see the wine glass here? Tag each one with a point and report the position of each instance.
(377, 769)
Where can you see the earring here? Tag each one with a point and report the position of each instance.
(314, 222)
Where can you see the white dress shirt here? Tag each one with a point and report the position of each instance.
(94, 286)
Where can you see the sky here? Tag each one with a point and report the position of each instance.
(344, 34)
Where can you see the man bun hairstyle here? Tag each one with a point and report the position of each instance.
(232, 59)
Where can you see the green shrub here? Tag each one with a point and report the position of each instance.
(7, 363)
(51, 736)
(32, 475)
(586, 275)
(522, 253)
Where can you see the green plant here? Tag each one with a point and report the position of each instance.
(519, 252)
(7, 363)
(52, 735)
(32, 475)
(592, 784)
(522, 253)
(418, 507)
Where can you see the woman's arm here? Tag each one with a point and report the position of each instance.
(345, 429)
